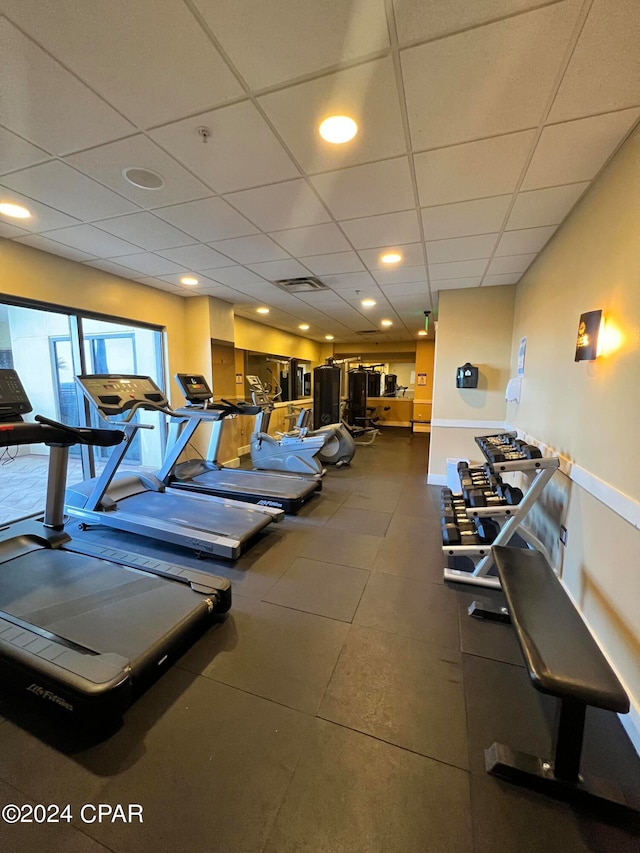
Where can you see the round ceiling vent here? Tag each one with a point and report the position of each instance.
(143, 178)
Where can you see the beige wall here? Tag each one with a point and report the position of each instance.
(31, 274)
(475, 325)
(589, 411)
(250, 335)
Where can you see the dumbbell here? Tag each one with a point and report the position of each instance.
(530, 451)
(482, 533)
(511, 495)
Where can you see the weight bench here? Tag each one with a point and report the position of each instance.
(563, 660)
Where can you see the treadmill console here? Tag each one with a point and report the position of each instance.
(116, 393)
(13, 398)
(194, 387)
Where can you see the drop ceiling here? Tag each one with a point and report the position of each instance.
(481, 124)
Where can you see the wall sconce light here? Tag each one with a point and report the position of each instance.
(588, 335)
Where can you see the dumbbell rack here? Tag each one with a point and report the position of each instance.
(543, 469)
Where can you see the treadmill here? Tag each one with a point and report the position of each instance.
(84, 627)
(285, 491)
(140, 503)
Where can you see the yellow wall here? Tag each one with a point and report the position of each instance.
(475, 325)
(589, 411)
(250, 335)
(423, 394)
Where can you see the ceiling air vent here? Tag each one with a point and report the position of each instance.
(369, 332)
(305, 284)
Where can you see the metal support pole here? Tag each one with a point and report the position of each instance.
(568, 739)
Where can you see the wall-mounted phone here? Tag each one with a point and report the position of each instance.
(467, 376)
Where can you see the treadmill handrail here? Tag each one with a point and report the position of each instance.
(50, 432)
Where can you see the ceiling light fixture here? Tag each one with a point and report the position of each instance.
(422, 333)
(386, 322)
(17, 211)
(368, 303)
(304, 327)
(188, 279)
(328, 337)
(262, 310)
(144, 179)
(391, 258)
(338, 129)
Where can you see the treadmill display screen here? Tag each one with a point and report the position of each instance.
(194, 387)
(13, 397)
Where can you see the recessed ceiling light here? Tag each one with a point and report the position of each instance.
(391, 258)
(304, 327)
(422, 333)
(144, 179)
(328, 337)
(386, 322)
(368, 303)
(338, 129)
(17, 211)
(188, 279)
(262, 310)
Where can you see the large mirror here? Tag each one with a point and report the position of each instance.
(394, 377)
(287, 379)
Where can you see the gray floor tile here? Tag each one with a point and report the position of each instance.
(422, 531)
(404, 691)
(317, 512)
(274, 652)
(31, 837)
(485, 638)
(510, 819)
(341, 547)
(362, 521)
(378, 498)
(209, 764)
(423, 611)
(351, 792)
(325, 589)
(403, 556)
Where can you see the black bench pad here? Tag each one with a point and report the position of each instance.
(562, 657)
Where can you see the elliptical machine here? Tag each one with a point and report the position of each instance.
(296, 454)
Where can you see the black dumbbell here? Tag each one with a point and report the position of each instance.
(529, 451)
(511, 495)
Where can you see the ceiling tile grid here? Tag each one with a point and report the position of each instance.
(481, 125)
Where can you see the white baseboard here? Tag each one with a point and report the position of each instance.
(466, 424)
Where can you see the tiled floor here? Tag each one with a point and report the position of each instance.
(343, 706)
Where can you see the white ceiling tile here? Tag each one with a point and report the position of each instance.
(510, 264)
(10, 231)
(63, 114)
(42, 216)
(576, 150)
(455, 283)
(321, 299)
(281, 206)
(367, 93)
(57, 184)
(174, 279)
(242, 151)
(419, 20)
(474, 170)
(273, 270)
(504, 278)
(207, 220)
(114, 269)
(341, 262)
(220, 291)
(37, 241)
(412, 254)
(489, 80)
(236, 276)
(403, 274)
(246, 250)
(155, 64)
(93, 241)
(604, 72)
(456, 269)
(526, 240)
(146, 231)
(350, 281)
(271, 41)
(258, 290)
(16, 153)
(383, 230)
(409, 289)
(366, 190)
(159, 284)
(197, 257)
(149, 264)
(544, 207)
(312, 239)
(461, 248)
(465, 218)
(106, 163)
